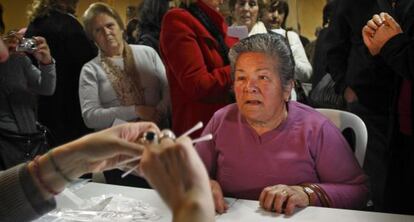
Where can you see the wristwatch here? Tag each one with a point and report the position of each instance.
(311, 195)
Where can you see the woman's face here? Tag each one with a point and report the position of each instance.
(259, 93)
(214, 3)
(274, 19)
(245, 13)
(107, 34)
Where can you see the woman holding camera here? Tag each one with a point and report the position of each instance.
(20, 83)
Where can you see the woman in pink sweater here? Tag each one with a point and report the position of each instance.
(267, 148)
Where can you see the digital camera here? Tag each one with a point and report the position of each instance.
(27, 45)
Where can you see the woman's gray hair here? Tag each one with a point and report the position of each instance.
(273, 45)
(96, 9)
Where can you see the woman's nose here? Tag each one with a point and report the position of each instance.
(251, 86)
(246, 6)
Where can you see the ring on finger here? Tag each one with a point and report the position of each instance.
(167, 134)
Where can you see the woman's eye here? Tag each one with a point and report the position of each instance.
(240, 78)
(264, 77)
(252, 4)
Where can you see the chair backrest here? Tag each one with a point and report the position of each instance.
(346, 120)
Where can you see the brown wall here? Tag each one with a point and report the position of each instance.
(15, 15)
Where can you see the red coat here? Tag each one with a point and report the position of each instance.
(198, 80)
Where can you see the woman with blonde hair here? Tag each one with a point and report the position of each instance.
(124, 81)
(194, 46)
(55, 21)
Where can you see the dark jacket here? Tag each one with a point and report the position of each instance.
(376, 80)
(71, 49)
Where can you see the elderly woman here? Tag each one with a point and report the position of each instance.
(123, 82)
(194, 46)
(274, 17)
(267, 148)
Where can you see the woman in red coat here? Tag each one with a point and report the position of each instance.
(194, 46)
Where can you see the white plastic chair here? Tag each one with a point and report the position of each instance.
(344, 120)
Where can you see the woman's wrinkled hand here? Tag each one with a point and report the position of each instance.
(219, 202)
(283, 199)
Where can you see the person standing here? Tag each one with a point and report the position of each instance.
(368, 83)
(194, 46)
(55, 21)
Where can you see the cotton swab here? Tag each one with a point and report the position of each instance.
(198, 126)
(203, 138)
(200, 139)
(128, 161)
(129, 171)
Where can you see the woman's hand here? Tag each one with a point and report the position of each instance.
(283, 198)
(92, 153)
(378, 31)
(219, 202)
(102, 150)
(42, 52)
(175, 170)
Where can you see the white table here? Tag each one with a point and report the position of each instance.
(240, 210)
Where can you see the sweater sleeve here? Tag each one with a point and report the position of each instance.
(164, 106)
(187, 64)
(340, 175)
(398, 53)
(20, 198)
(303, 68)
(41, 80)
(94, 114)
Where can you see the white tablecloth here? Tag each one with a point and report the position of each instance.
(240, 210)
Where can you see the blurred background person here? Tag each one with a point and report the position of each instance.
(248, 13)
(252, 139)
(385, 38)
(55, 21)
(21, 139)
(132, 31)
(194, 46)
(274, 17)
(151, 14)
(125, 82)
(131, 13)
(370, 86)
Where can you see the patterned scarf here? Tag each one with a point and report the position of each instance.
(126, 82)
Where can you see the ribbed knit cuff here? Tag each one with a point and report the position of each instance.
(33, 195)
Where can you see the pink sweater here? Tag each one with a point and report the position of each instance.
(305, 148)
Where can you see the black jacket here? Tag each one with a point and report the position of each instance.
(376, 80)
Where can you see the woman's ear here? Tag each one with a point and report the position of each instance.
(287, 90)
